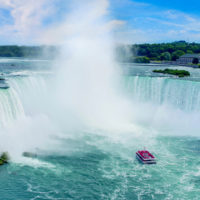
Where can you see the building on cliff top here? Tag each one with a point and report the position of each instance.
(188, 58)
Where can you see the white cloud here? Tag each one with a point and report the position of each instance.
(27, 17)
(141, 23)
(88, 19)
(130, 3)
(155, 25)
(115, 24)
(180, 20)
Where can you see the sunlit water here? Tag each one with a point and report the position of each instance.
(91, 164)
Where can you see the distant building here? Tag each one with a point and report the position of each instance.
(188, 58)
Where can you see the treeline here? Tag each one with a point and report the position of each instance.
(144, 53)
(139, 53)
(28, 51)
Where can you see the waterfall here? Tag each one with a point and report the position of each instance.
(10, 106)
(15, 102)
(26, 93)
(169, 106)
(181, 94)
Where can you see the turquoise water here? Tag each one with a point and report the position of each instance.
(98, 173)
(101, 164)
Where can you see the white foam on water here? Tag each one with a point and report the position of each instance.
(35, 163)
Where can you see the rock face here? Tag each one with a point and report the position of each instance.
(3, 83)
(29, 154)
(4, 86)
(4, 158)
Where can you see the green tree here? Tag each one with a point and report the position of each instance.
(177, 54)
(189, 52)
(165, 56)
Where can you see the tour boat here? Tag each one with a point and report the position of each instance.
(145, 157)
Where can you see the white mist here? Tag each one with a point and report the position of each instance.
(83, 94)
(88, 77)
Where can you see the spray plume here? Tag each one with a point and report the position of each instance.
(84, 94)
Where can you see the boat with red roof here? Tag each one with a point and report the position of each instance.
(145, 157)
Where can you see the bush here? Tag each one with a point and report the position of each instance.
(4, 158)
(142, 59)
(176, 72)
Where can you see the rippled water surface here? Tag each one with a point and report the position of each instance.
(99, 173)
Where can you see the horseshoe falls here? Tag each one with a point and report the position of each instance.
(79, 159)
(167, 103)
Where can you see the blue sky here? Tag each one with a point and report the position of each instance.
(191, 6)
(158, 21)
(22, 21)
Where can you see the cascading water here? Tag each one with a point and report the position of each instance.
(181, 94)
(153, 101)
(10, 106)
(168, 105)
(14, 101)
